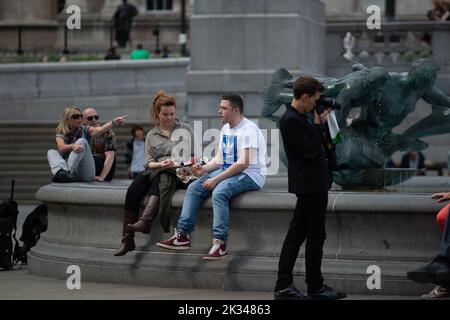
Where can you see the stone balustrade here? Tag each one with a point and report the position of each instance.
(395, 45)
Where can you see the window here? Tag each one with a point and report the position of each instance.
(364, 4)
(60, 5)
(159, 5)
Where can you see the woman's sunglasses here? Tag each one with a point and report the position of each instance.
(77, 116)
(91, 118)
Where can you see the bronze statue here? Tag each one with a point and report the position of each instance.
(123, 18)
(385, 100)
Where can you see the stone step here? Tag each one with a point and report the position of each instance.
(38, 181)
(35, 156)
(19, 125)
(121, 131)
(29, 175)
(41, 153)
(43, 138)
(30, 167)
(12, 144)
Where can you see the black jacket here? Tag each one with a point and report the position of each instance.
(405, 161)
(308, 169)
(129, 151)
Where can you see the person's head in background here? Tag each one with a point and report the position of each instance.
(137, 132)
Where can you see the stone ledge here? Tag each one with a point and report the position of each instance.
(93, 65)
(113, 193)
(395, 231)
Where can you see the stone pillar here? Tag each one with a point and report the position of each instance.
(110, 7)
(92, 7)
(28, 12)
(236, 45)
(83, 4)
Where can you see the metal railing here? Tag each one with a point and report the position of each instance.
(91, 38)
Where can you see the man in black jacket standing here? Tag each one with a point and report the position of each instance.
(309, 177)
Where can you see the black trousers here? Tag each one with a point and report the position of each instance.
(308, 223)
(99, 162)
(138, 189)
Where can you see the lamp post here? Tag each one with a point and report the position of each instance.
(156, 35)
(182, 37)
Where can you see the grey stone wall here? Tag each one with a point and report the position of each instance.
(236, 46)
(40, 92)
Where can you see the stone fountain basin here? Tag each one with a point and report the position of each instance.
(393, 230)
(371, 178)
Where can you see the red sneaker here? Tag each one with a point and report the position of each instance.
(179, 241)
(218, 250)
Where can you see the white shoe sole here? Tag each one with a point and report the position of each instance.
(180, 248)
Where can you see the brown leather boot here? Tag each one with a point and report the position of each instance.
(127, 234)
(151, 209)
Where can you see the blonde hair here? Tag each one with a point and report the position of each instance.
(63, 125)
(160, 99)
(441, 4)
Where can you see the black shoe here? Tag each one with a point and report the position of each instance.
(290, 293)
(433, 272)
(326, 293)
(62, 176)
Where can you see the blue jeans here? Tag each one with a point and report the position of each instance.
(221, 196)
(80, 165)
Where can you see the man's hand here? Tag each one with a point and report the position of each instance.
(442, 196)
(210, 184)
(120, 120)
(77, 148)
(197, 170)
(322, 118)
(99, 179)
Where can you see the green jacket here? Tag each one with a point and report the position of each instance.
(167, 187)
(139, 54)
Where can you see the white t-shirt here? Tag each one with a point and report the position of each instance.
(243, 136)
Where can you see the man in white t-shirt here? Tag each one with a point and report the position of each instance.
(239, 166)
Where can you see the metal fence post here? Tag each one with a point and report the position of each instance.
(65, 50)
(19, 40)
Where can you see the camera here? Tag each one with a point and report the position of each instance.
(325, 103)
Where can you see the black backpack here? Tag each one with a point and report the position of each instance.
(34, 224)
(8, 227)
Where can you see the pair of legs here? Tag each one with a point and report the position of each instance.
(438, 271)
(308, 223)
(139, 188)
(443, 288)
(80, 165)
(221, 196)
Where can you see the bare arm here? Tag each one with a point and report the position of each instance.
(240, 165)
(96, 131)
(62, 147)
(215, 163)
(109, 159)
(436, 97)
